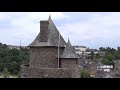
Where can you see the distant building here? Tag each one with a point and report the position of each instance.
(80, 49)
(16, 47)
(88, 51)
(89, 65)
(84, 50)
(105, 68)
(116, 71)
(12, 46)
(117, 65)
(93, 68)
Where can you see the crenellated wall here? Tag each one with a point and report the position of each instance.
(27, 72)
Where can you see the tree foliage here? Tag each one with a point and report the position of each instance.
(12, 58)
(85, 74)
(6, 73)
(97, 56)
(111, 55)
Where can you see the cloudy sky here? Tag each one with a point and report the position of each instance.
(91, 29)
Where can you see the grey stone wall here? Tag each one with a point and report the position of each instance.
(76, 71)
(27, 72)
(68, 63)
(71, 63)
(44, 57)
(93, 69)
(24, 71)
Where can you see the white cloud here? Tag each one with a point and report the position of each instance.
(21, 35)
(25, 24)
(99, 29)
(94, 29)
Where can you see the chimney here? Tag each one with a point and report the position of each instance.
(44, 31)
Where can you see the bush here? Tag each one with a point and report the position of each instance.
(85, 74)
(6, 73)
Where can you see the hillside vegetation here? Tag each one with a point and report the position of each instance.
(11, 59)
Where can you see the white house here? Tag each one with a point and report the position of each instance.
(80, 49)
(105, 68)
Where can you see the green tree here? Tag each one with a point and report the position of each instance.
(15, 51)
(102, 49)
(85, 74)
(113, 50)
(13, 58)
(4, 46)
(6, 73)
(118, 48)
(109, 56)
(14, 67)
(97, 56)
(0, 44)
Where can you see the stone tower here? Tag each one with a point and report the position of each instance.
(44, 61)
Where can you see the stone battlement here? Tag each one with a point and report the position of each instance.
(45, 72)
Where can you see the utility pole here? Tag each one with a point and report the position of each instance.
(20, 43)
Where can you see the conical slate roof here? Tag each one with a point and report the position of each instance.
(69, 51)
(51, 36)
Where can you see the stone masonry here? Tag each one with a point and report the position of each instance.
(44, 61)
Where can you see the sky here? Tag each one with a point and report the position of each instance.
(90, 29)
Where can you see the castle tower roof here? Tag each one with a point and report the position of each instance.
(69, 51)
(49, 17)
(48, 36)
